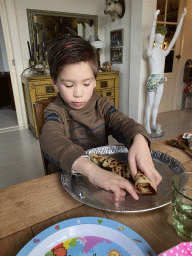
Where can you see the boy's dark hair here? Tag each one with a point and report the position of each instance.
(68, 50)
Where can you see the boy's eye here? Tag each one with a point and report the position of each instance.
(68, 85)
(86, 84)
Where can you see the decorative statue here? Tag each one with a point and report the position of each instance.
(155, 83)
(107, 66)
(115, 7)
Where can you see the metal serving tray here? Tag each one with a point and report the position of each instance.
(82, 190)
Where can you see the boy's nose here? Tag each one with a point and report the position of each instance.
(78, 92)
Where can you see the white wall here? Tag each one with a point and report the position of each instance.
(124, 68)
(141, 20)
(186, 53)
(4, 67)
(135, 58)
(1, 62)
(149, 8)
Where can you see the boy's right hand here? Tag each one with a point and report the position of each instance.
(104, 179)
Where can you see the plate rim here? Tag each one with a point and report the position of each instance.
(115, 225)
(153, 152)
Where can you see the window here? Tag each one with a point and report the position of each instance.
(168, 17)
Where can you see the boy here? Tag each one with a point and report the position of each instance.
(80, 119)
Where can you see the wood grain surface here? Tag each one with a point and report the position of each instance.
(32, 202)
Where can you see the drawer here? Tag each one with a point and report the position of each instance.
(44, 90)
(105, 84)
(46, 96)
(43, 82)
(108, 93)
(42, 98)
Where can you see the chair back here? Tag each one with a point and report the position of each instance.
(39, 107)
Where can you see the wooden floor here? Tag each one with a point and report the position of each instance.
(20, 157)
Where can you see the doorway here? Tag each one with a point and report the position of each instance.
(170, 12)
(8, 116)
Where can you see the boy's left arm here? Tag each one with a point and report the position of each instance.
(140, 156)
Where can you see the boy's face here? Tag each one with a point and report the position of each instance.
(75, 84)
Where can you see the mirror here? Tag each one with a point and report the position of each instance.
(46, 25)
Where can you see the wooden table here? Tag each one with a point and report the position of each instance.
(30, 207)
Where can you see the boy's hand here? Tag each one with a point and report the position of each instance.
(139, 155)
(104, 179)
(111, 181)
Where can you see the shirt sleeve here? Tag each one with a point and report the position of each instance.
(120, 126)
(55, 144)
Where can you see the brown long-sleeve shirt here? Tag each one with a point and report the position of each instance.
(68, 133)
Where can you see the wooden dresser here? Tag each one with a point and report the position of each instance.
(38, 87)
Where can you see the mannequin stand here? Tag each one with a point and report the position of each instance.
(155, 135)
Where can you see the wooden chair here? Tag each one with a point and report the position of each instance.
(39, 107)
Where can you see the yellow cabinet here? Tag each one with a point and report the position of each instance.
(38, 87)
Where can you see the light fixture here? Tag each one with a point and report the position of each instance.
(98, 45)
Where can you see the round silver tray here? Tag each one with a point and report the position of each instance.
(82, 190)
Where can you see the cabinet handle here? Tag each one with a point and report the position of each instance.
(178, 56)
(108, 93)
(104, 84)
(49, 89)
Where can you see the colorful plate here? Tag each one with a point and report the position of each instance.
(87, 236)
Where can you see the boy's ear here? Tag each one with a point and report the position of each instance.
(54, 85)
(94, 85)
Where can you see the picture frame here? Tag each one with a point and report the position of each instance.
(116, 55)
(116, 38)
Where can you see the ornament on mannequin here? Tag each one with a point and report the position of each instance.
(155, 83)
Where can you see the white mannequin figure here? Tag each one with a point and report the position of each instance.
(157, 78)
